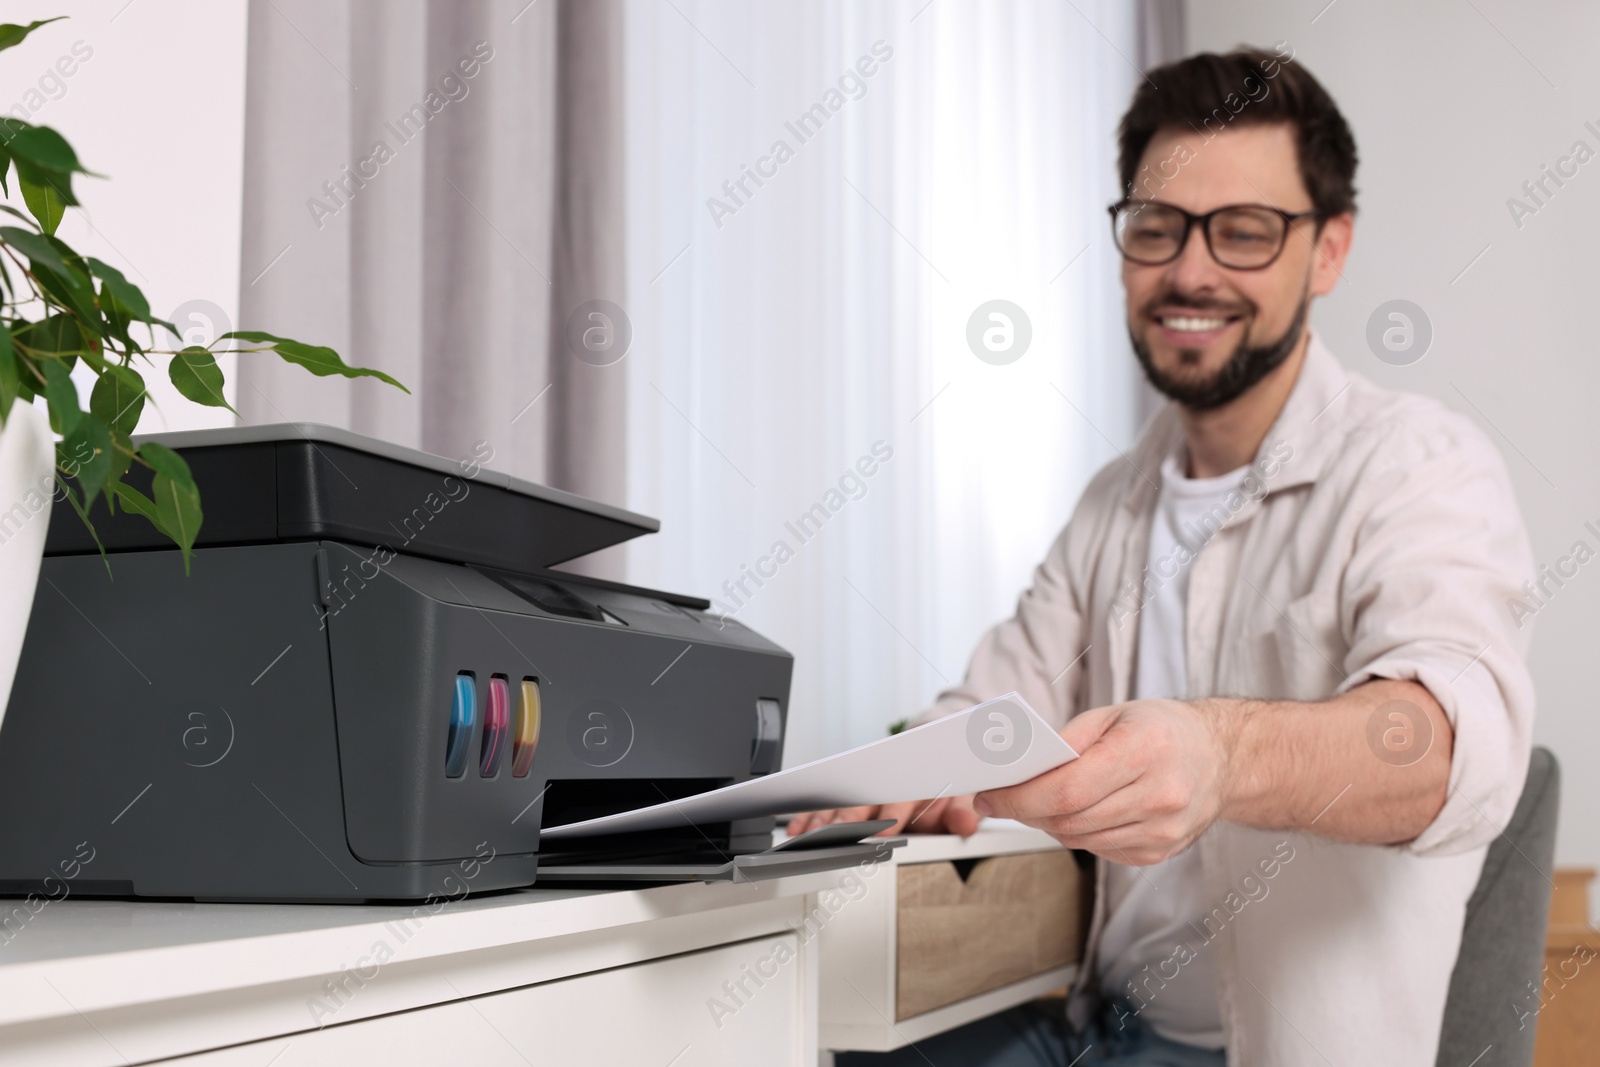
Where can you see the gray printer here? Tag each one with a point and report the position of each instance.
(373, 686)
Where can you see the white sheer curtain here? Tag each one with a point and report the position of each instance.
(780, 336)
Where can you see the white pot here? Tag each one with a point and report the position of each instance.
(27, 463)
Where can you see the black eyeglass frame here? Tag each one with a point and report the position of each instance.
(1190, 219)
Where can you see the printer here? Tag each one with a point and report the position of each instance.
(371, 685)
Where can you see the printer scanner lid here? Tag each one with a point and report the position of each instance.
(305, 481)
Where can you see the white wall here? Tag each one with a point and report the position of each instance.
(158, 108)
(1454, 106)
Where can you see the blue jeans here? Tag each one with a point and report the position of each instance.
(1036, 1035)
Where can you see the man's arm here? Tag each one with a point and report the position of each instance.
(1384, 744)
(1425, 746)
(1369, 766)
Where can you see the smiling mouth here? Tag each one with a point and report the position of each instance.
(1196, 323)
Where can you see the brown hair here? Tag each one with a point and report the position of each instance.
(1209, 92)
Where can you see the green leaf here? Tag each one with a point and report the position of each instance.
(62, 396)
(75, 293)
(176, 499)
(117, 321)
(178, 508)
(118, 398)
(12, 35)
(314, 358)
(55, 335)
(195, 373)
(60, 181)
(42, 147)
(5, 165)
(83, 513)
(121, 302)
(37, 248)
(85, 454)
(10, 374)
(136, 502)
(29, 376)
(44, 160)
(164, 460)
(72, 287)
(122, 449)
(44, 201)
(126, 293)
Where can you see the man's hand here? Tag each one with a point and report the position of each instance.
(1150, 776)
(947, 815)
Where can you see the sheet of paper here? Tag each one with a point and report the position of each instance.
(998, 743)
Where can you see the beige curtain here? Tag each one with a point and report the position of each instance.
(588, 249)
(434, 187)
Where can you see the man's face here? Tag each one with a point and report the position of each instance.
(1204, 332)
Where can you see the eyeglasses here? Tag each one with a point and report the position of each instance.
(1239, 236)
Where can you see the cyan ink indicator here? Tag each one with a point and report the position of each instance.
(463, 712)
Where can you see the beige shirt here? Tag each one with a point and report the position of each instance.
(1376, 537)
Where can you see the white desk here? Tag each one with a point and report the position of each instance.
(531, 977)
(542, 976)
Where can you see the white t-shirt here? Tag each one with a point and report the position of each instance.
(1154, 913)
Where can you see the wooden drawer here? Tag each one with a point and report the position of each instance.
(968, 927)
(907, 948)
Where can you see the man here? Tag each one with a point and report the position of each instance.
(1273, 631)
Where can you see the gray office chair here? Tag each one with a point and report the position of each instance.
(1502, 943)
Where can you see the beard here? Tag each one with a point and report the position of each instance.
(1245, 367)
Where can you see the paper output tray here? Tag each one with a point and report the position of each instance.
(823, 849)
(304, 482)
